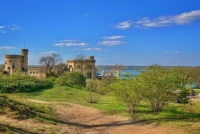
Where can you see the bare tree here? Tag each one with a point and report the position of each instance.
(49, 62)
(60, 68)
(80, 57)
(117, 67)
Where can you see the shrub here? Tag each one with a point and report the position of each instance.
(183, 96)
(92, 97)
(97, 86)
(128, 90)
(72, 79)
(21, 83)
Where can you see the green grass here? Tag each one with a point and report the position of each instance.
(107, 103)
(197, 90)
(184, 116)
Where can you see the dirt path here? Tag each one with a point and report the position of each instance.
(87, 120)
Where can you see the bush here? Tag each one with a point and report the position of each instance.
(157, 85)
(21, 83)
(71, 79)
(128, 90)
(97, 86)
(92, 97)
(183, 96)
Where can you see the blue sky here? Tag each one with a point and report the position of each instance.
(130, 32)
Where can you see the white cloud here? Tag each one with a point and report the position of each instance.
(14, 27)
(111, 42)
(124, 25)
(113, 37)
(6, 47)
(5, 29)
(1, 27)
(70, 43)
(181, 19)
(176, 52)
(92, 49)
(47, 53)
(162, 21)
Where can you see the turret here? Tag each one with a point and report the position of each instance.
(24, 53)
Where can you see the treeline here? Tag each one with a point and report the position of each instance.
(156, 86)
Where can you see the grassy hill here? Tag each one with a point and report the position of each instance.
(185, 116)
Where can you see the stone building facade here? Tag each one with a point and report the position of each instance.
(87, 66)
(14, 63)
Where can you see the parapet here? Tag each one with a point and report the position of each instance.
(24, 50)
(13, 56)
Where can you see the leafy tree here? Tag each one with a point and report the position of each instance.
(183, 75)
(196, 79)
(71, 79)
(49, 62)
(158, 85)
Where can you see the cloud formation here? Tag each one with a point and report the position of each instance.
(124, 25)
(113, 37)
(92, 49)
(111, 42)
(70, 43)
(176, 52)
(5, 29)
(47, 53)
(163, 21)
(6, 47)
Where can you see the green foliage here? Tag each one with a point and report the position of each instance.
(184, 75)
(157, 87)
(72, 79)
(92, 97)
(97, 86)
(21, 83)
(183, 96)
(128, 90)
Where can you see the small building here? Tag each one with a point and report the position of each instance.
(36, 72)
(14, 63)
(87, 66)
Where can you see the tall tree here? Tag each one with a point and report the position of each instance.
(184, 75)
(197, 77)
(49, 62)
(157, 85)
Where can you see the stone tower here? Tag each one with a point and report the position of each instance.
(17, 62)
(24, 54)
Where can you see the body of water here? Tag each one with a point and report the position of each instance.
(132, 70)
